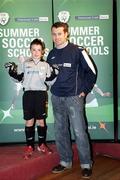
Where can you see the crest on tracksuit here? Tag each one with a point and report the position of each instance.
(64, 16)
(4, 18)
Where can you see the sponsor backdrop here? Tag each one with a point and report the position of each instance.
(20, 22)
(90, 23)
(118, 31)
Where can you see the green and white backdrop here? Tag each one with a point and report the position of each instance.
(90, 25)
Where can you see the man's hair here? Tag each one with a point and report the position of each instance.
(38, 42)
(61, 24)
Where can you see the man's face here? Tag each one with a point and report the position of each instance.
(59, 36)
(36, 51)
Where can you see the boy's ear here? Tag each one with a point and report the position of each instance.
(43, 52)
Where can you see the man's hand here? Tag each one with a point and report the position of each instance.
(82, 94)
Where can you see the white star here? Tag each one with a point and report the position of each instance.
(6, 113)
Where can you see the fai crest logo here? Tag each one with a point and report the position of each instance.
(64, 16)
(4, 18)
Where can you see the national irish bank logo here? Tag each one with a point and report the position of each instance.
(4, 18)
(64, 16)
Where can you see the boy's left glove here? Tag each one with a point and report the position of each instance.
(55, 69)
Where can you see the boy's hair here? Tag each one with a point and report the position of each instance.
(61, 24)
(38, 42)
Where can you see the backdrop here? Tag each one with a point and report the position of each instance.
(90, 25)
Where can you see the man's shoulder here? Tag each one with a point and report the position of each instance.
(51, 54)
(51, 51)
(75, 46)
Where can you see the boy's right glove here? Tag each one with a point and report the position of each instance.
(12, 70)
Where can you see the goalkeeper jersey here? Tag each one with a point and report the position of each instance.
(35, 73)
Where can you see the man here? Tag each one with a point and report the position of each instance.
(76, 78)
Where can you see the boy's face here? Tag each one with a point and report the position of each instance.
(59, 36)
(36, 51)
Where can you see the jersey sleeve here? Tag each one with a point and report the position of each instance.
(89, 71)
